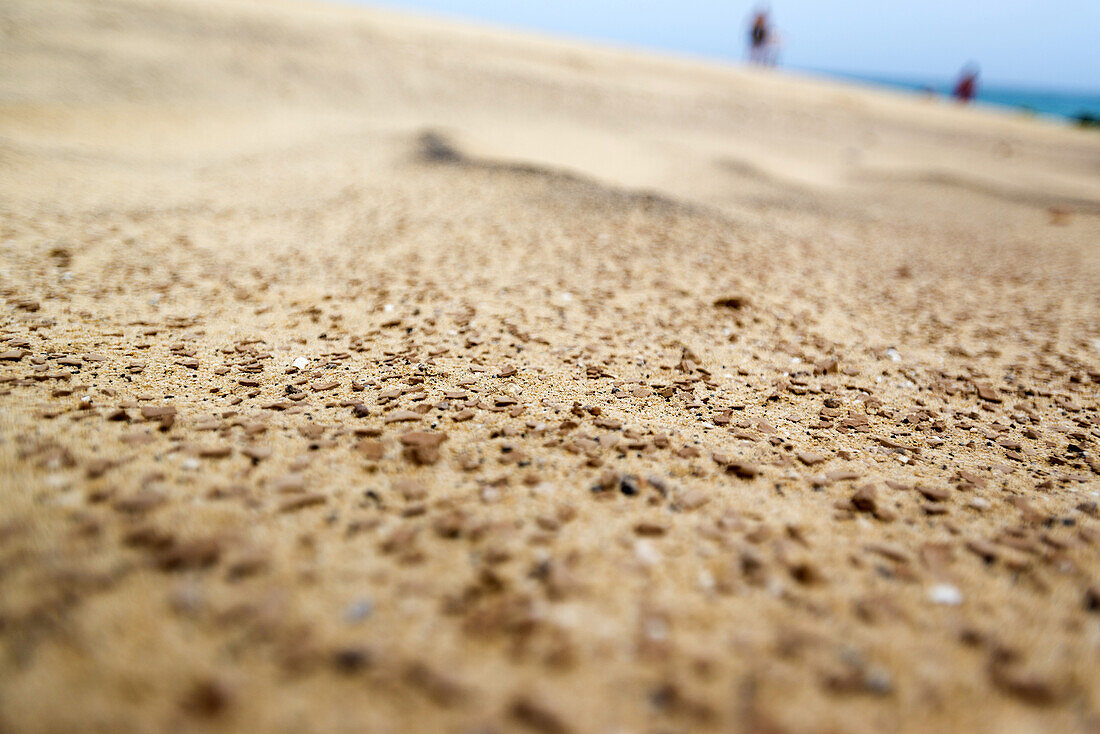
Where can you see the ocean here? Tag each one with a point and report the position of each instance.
(1065, 105)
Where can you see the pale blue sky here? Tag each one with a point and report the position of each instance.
(1051, 43)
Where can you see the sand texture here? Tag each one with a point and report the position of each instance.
(362, 372)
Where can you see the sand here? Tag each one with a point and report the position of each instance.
(366, 372)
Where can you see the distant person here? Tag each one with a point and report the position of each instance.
(759, 35)
(967, 86)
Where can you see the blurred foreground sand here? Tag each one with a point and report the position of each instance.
(362, 372)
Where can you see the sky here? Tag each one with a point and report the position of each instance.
(1033, 43)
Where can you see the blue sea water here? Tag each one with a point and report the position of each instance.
(1069, 105)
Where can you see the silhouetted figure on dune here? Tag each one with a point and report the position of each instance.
(967, 86)
(759, 36)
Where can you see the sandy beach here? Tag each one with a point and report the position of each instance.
(365, 372)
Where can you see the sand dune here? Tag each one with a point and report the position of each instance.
(361, 371)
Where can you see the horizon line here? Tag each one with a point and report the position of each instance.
(730, 60)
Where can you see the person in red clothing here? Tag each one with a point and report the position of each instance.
(967, 85)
